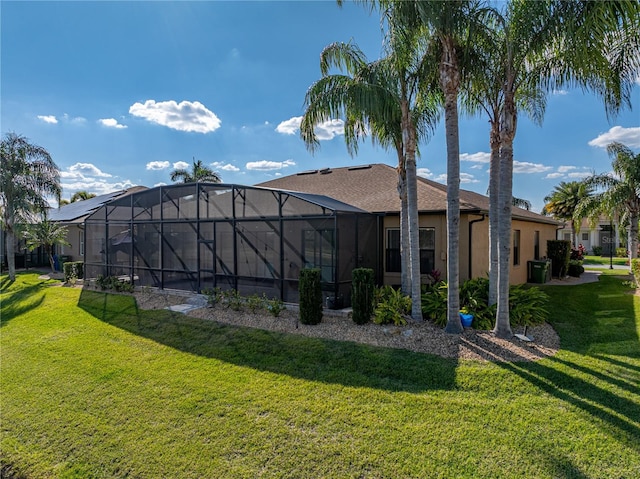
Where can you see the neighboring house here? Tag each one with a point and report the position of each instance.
(373, 188)
(603, 234)
(73, 215)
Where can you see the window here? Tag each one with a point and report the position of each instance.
(319, 251)
(567, 236)
(585, 236)
(536, 245)
(427, 241)
(516, 247)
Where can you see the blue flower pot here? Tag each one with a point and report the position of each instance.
(466, 319)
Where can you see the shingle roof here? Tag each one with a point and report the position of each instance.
(373, 188)
(76, 211)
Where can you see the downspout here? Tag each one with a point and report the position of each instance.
(470, 241)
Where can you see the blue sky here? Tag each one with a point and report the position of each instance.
(121, 93)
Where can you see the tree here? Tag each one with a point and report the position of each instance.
(387, 99)
(27, 176)
(562, 204)
(199, 172)
(621, 192)
(47, 234)
(81, 196)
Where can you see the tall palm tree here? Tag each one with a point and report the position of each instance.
(545, 48)
(454, 26)
(199, 172)
(47, 234)
(621, 192)
(27, 176)
(387, 99)
(563, 201)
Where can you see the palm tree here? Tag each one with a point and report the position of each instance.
(621, 192)
(81, 196)
(387, 99)
(453, 26)
(545, 48)
(199, 172)
(562, 204)
(47, 234)
(27, 176)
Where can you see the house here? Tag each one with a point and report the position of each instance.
(373, 188)
(256, 239)
(601, 235)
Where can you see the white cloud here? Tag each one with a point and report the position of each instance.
(627, 136)
(221, 166)
(327, 130)
(441, 178)
(424, 172)
(159, 184)
(579, 174)
(479, 157)
(183, 116)
(554, 176)
(181, 165)
(99, 187)
(290, 126)
(265, 165)
(468, 178)
(566, 169)
(526, 167)
(77, 120)
(48, 119)
(560, 92)
(158, 165)
(111, 123)
(83, 170)
(638, 79)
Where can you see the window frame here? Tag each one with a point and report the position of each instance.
(393, 256)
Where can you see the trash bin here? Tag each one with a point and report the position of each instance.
(538, 271)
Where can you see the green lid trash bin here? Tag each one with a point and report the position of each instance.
(537, 271)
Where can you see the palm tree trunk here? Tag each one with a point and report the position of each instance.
(633, 236)
(11, 252)
(502, 328)
(410, 141)
(405, 265)
(494, 178)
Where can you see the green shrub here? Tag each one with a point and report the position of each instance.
(275, 306)
(597, 250)
(362, 295)
(231, 299)
(310, 296)
(575, 268)
(559, 251)
(621, 252)
(73, 270)
(635, 269)
(214, 296)
(255, 303)
(527, 306)
(391, 306)
(434, 304)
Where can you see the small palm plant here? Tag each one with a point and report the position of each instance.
(47, 234)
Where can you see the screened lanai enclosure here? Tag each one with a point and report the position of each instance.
(200, 236)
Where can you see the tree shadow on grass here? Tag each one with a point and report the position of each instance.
(315, 359)
(28, 295)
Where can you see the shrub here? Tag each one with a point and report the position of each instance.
(73, 270)
(310, 296)
(391, 306)
(434, 304)
(214, 296)
(231, 299)
(575, 268)
(622, 252)
(635, 269)
(597, 250)
(527, 306)
(559, 251)
(362, 295)
(255, 303)
(578, 253)
(275, 306)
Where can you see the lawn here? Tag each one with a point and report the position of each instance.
(604, 260)
(92, 387)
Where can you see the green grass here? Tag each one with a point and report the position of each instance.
(604, 260)
(92, 387)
